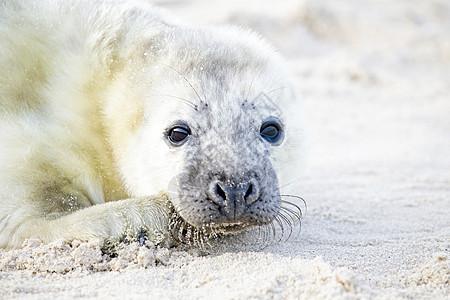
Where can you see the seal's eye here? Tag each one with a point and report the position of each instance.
(178, 134)
(272, 132)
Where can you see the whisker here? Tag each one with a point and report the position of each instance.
(287, 184)
(183, 100)
(258, 99)
(266, 234)
(274, 230)
(281, 228)
(289, 217)
(266, 229)
(274, 90)
(265, 96)
(292, 204)
(250, 86)
(288, 222)
(292, 214)
(260, 235)
(181, 209)
(297, 224)
(185, 79)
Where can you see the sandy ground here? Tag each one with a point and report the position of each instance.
(375, 78)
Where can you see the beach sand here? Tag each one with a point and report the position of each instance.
(375, 80)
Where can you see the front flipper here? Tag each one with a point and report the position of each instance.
(109, 221)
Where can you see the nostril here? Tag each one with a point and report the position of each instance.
(220, 193)
(252, 193)
(249, 192)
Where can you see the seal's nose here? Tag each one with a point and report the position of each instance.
(233, 198)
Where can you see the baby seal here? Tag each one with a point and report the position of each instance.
(115, 117)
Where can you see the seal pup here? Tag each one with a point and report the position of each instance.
(115, 117)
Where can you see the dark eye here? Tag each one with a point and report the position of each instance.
(272, 132)
(178, 134)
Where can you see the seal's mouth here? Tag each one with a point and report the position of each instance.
(186, 233)
(277, 229)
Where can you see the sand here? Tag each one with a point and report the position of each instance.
(375, 78)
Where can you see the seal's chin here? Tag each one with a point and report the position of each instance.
(230, 228)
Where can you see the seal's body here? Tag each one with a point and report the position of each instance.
(108, 107)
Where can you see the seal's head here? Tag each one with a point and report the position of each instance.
(219, 129)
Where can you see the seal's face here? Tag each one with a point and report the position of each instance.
(227, 180)
(215, 131)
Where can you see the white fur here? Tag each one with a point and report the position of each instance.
(83, 108)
